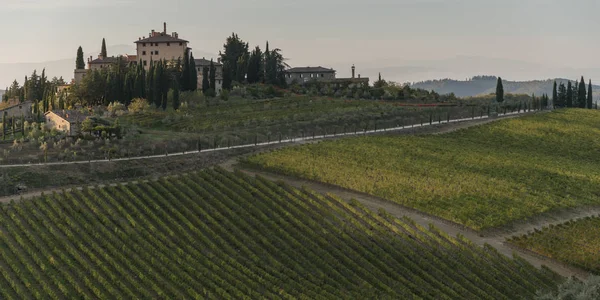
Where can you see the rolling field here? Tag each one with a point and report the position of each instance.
(575, 242)
(221, 235)
(482, 177)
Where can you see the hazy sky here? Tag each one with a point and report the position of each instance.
(315, 32)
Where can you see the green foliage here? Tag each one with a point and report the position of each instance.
(555, 98)
(499, 91)
(212, 75)
(79, 62)
(569, 95)
(205, 81)
(590, 96)
(484, 177)
(215, 234)
(103, 49)
(581, 94)
(234, 50)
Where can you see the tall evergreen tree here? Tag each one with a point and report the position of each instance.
(234, 49)
(193, 74)
(176, 101)
(205, 82)
(581, 94)
(554, 94)
(79, 63)
(569, 95)
(499, 91)
(185, 72)
(590, 96)
(562, 95)
(212, 76)
(103, 51)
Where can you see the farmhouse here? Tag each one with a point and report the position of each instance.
(160, 46)
(204, 63)
(301, 75)
(68, 121)
(16, 109)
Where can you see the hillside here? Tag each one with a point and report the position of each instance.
(482, 85)
(220, 235)
(483, 177)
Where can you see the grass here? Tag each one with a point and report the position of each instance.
(220, 235)
(481, 177)
(575, 242)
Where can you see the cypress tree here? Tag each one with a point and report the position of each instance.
(156, 90)
(22, 125)
(212, 75)
(205, 82)
(590, 96)
(103, 51)
(176, 102)
(79, 63)
(4, 126)
(193, 74)
(554, 95)
(185, 72)
(569, 95)
(499, 91)
(581, 94)
(562, 95)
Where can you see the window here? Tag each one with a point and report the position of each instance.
(168, 44)
(145, 63)
(180, 44)
(156, 52)
(143, 44)
(301, 75)
(322, 75)
(143, 52)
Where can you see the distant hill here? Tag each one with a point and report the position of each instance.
(483, 85)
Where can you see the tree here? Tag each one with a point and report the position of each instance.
(193, 74)
(554, 95)
(79, 63)
(379, 83)
(499, 91)
(176, 101)
(233, 49)
(185, 72)
(205, 82)
(562, 95)
(581, 94)
(569, 95)
(255, 66)
(212, 76)
(590, 96)
(103, 51)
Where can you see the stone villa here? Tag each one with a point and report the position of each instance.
(160, 45)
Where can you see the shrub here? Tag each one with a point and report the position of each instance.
(139, 105)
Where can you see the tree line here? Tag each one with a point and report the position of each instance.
(573, 95)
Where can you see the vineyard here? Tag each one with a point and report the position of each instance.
(248, 121)
(576, 242)
(221, 235)
(481, 177)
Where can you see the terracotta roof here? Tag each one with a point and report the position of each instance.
(69, 115)
(163, 38)
(310, 70)
(205, 62)
(106, 60)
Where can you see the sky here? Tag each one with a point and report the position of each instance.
(548, 35)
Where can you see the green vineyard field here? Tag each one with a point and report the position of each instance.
(575, 242)
(221, 235)
(481, 177)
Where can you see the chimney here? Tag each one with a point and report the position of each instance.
(165, 28)
(353, 70)
(358, 75)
